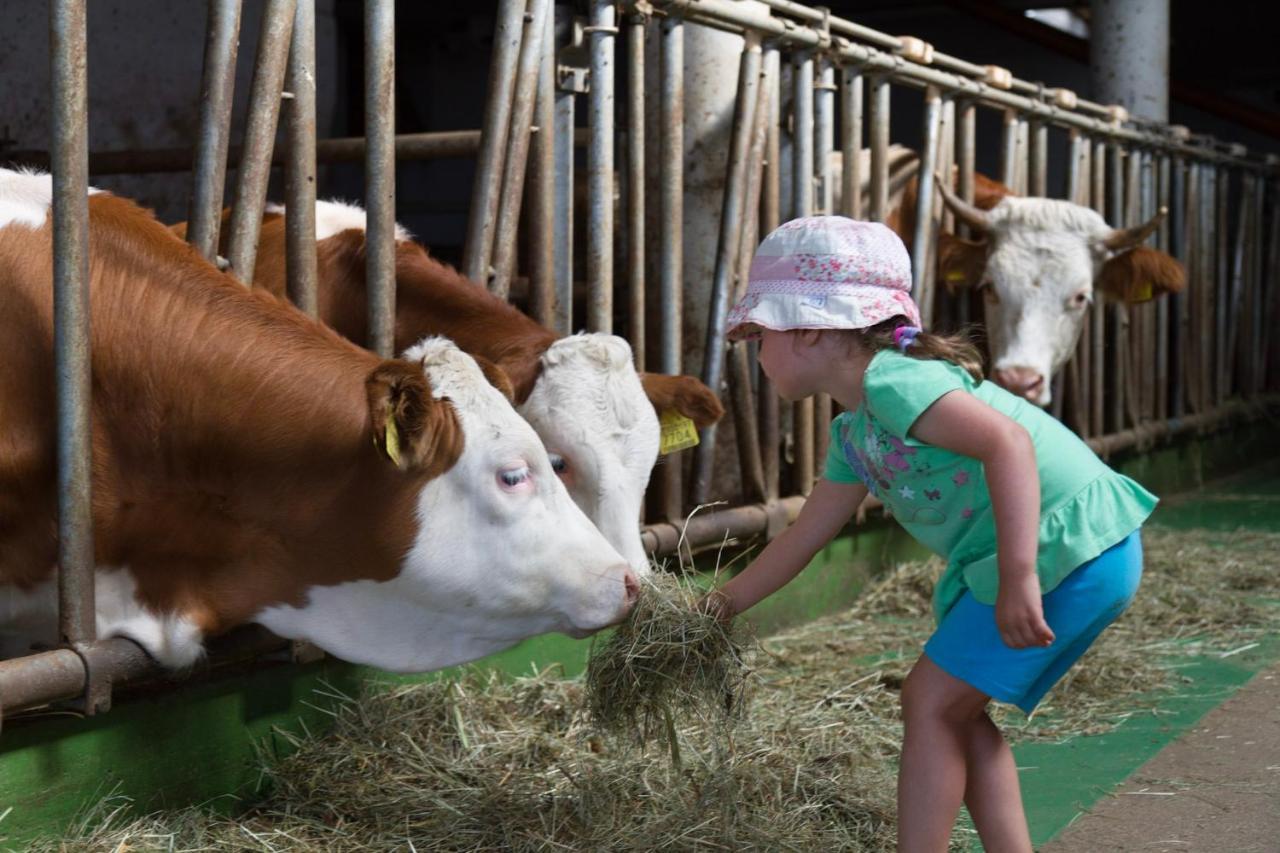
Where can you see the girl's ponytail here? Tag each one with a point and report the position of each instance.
(895, 333)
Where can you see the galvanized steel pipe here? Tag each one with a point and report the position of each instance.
(671, 214)
(259, 137)
(922, 239)
(380, 173)
(727, 250)
(511, 196)
(802, 205)
(542, 184)
(603, 33)
(851, 142)
(879, 120)
(483, 212)
(636, 187)
(300, 168)
(222, 40)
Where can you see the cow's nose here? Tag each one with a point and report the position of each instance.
(631, 588)
(1024, 381)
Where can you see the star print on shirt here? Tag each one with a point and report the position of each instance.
(907, 492)
(960, 478)
(967, 512)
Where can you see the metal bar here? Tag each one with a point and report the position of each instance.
(727, 251)
(1078, 365)
(380, 173)
(671, 214)
(635, 187)
(1039, 165)
(562, 227)
(222, 39)
(260, 137)
(1096, 119)
(1009, 150)
(1098, 318)
(770, 218)
(542, 190)
(511, 195)
(824, 132)
(1160, 201)
(482, 215)
(68, 49)
(802, 205)
(1256, 349)
(879, 120)
(851, 142)
(923, 235)
(1191, 302)
(1234, 364)
(1115, 215)
(1223, 282)
(600, 169)
(300, 168)
(1272, 299)
(1178, 337)
(1022, 159)
(1135, 387)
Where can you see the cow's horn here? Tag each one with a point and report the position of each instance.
(1123, 238)
(974, 217)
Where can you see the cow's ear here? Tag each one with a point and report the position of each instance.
(961, 263)
(686, 395)
(1140, 274)
(497, 377)
(415, 430)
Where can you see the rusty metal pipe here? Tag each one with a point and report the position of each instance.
(514, 164)
(68, 49)
(300, 168)
(493, 140)
(259, 137)
(671, 214)
(879, 120)
(222, 40)
(727, 251)
(635, 187)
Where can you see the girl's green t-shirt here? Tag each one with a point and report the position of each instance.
(940, 497)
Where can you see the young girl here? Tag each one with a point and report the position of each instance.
(1040, 536)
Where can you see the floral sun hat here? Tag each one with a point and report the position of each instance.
(825, 272)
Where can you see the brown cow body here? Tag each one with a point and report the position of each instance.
(236, 444)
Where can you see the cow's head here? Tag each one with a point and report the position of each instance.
(1039, 267)
(500, 553)
(602, 435)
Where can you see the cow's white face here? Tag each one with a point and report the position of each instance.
(590, 410)
(1044, 255)
(502, 553)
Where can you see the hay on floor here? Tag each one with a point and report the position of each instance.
(483, 763)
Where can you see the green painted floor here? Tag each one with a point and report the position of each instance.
(1061, 780)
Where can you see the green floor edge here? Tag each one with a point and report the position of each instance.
(202, 744)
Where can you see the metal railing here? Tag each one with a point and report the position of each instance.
(1140, 374)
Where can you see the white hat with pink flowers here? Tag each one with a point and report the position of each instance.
(825, 272)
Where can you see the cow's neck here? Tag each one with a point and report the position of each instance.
(239, 434)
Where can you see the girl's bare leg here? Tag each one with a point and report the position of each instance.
(947, 750)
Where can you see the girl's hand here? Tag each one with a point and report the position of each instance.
(716, 603)
(1020, 613)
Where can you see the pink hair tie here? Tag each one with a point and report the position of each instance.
(905, 336)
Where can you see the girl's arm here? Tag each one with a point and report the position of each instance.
(827, 509)
(964, 424)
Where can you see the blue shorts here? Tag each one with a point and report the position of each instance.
(968, 646)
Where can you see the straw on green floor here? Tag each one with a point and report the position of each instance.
(484, 763)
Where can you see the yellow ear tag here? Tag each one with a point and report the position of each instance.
(393, 439)
(1143, 293)
(678, 432)
(955, 275)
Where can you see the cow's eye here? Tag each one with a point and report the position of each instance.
(1081, 299)
(557, 463)
(512, 477)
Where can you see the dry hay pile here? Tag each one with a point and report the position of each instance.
(483, 763)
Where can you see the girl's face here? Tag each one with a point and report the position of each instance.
(788, 359)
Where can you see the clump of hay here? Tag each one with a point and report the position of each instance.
(669, 656)
(481, 763)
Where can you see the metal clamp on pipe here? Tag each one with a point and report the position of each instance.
(1180, 132)
(1064, 98)
(917, 50)
(1117, 114)
(997, 77)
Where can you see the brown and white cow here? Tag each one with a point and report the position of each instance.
(250, 465)
(594, 412)
(1039, 263)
